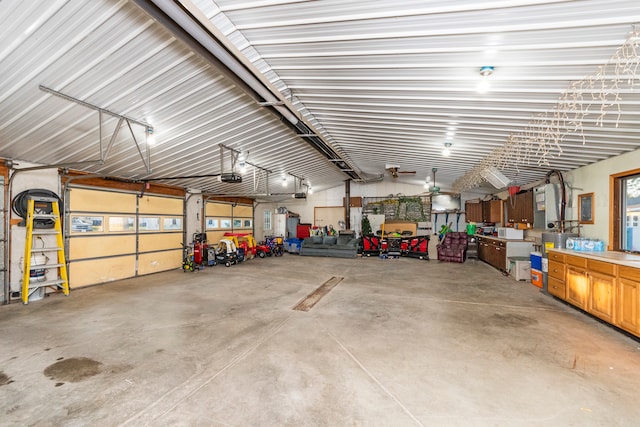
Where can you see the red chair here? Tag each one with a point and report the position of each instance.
(453, 247)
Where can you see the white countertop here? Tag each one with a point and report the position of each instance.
(621, 258)
(503, 239)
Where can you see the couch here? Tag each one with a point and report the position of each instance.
(453, 247)
(343, 246)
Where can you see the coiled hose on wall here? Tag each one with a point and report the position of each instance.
(19, 206)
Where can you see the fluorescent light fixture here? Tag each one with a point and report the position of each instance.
(495, 177)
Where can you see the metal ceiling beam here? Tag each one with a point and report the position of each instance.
(187, 23)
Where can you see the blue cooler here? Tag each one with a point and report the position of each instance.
(536, 261)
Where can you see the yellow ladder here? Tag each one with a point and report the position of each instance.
(37, 208)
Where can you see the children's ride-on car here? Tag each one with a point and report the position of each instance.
(226, 252)
(263, 250)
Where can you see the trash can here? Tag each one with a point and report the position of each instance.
(471, 228)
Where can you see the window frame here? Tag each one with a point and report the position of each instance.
(618, 216)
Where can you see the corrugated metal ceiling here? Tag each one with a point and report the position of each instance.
(382, 81)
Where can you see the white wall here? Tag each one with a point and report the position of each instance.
(595, 179)
(333, 197)
(41, 179)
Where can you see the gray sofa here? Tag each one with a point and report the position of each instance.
(344, 246)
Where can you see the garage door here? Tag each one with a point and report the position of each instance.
(114, 235)
(222, 217)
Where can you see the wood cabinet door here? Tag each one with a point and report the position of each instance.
(495, 211)
(577, 284)
(482, 251)
(473, 211)
(500, 257)
(601, 296)
(628, 305)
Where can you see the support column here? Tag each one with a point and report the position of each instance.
(347, 201)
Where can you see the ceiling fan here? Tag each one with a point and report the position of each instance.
(394, 170)
(434, 190)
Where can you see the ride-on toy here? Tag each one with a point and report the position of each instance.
(226, 252)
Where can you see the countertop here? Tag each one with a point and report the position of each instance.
(620, 258)
(504, 240)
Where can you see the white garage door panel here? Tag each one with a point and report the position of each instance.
(85, 273)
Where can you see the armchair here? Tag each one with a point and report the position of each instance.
(453, 247)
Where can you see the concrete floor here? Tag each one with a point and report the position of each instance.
(396, 343)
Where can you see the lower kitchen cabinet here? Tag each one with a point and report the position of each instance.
(496, 251)
(577, 286)
(628, 300)
(601, 295)
(556, 283)
(607, 290)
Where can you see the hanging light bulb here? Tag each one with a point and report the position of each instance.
(284, 181)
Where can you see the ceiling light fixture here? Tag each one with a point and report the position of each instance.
(485, 72)
(151, 139)
(447, 149)
(284, 181)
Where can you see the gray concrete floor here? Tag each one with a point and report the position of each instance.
(397, 343)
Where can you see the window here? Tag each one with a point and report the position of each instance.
(119, 223)
(267, 220)
(171, 223)
(626, 230)
(87, 224)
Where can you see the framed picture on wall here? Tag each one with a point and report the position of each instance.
(585, 208)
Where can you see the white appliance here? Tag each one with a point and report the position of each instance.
(510, 233)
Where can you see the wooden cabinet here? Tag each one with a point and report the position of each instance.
(492, 211)
(628, 300)
(556, 284)
(604, 289)
(486, 211)
(520, 208)
(577, 281)
(473, 211)
(496, 252)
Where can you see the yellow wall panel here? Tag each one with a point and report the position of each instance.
(99, 246)
(218, 209)
(156, 242)
(84, 273)
(244, 211)
(159, 261)
(101, 201)
(214, 237)
(160, 205)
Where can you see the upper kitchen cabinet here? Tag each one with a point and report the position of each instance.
(492, 211)
(473, 211)
(520, 208)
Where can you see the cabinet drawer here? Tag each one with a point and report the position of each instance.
(556, 270)
(576, 260)
(601, 267)
(557, 288)
(629, 272)
(554, 256)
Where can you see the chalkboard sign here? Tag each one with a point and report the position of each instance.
(585, 208)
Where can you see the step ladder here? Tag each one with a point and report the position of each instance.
(43, 208)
